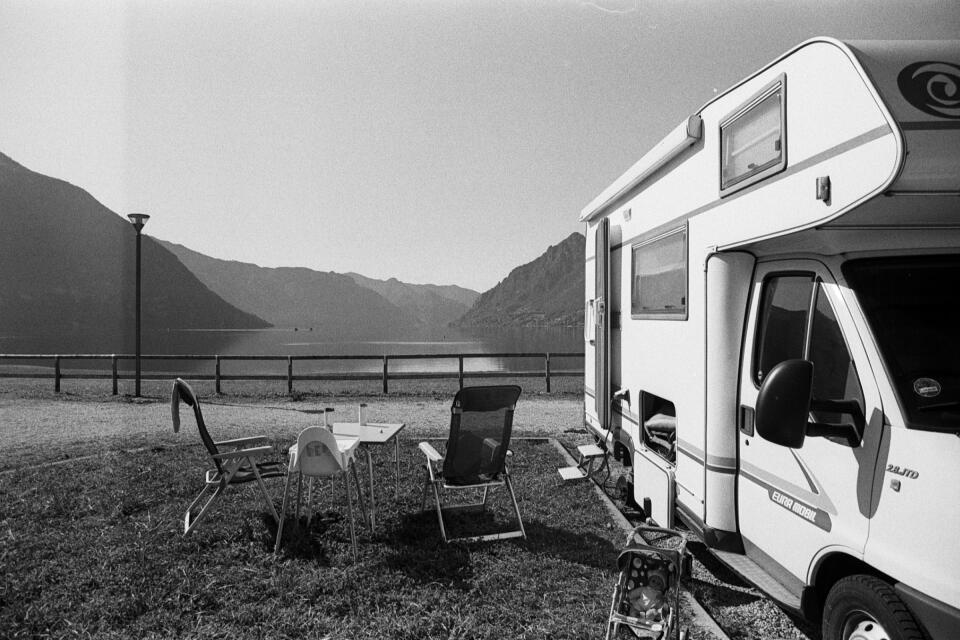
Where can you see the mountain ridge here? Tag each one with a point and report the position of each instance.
(69, 267)
(69, 263)
(347, 305)
(428, 305)
(546, 292)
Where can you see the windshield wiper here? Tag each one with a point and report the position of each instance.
(940, 405)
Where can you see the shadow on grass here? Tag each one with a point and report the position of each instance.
(722, 595)
(586, 549)
(308, 543)
(417, 549)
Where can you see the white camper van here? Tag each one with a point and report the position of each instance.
(773, 332)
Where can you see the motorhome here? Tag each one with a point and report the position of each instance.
(772, 337)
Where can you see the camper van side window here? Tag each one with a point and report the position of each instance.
(782, 328)
(753, 140)
(659, 277)
(834, 373)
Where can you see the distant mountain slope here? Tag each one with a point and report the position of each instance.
(545, 292)
(67, 266)
(426, 305)
(332, 303)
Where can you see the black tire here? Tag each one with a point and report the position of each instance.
(863, 607)
(687, 566)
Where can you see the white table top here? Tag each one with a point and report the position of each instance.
(370, 433)
(346, 446)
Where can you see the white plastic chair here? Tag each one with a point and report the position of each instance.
(317, 455)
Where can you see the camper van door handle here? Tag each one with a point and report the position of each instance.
(746, 419)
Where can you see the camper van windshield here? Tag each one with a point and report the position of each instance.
(914, 310)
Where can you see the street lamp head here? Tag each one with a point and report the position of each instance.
(138, 220)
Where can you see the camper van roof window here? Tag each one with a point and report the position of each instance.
(753, 139)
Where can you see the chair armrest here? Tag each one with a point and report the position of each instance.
(256, 452)
(236, 442)
(430, 452)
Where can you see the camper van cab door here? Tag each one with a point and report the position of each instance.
(796, 504)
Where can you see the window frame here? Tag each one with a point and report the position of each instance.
(765, 171)
(817, 288)
(820, 292)
(662, 314)
(815, 279)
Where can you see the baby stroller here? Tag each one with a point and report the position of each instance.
(646, 599)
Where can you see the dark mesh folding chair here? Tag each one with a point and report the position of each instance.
(476, 455)
(239, 461)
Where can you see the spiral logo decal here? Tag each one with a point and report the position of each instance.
(932, 87)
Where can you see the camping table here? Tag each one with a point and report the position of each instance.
(373, 433)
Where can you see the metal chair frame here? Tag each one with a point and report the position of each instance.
(434, 477)
(239, 464)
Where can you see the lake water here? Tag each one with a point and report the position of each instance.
(290, 342)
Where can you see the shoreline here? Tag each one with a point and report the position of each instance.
(99, 390)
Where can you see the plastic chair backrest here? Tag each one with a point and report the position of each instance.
(481, 421)
(317, 452)
(187, 395)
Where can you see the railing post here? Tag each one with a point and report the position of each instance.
(216, 374)
(460, 376)
(547, 369)
(290, 375)
(56, 373)
(113, 372)
(385, 386)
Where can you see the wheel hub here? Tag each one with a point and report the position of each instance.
(862, 626)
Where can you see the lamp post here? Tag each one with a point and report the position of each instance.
(138, 220)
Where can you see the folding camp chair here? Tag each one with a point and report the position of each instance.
(320, 454)
(238, 463)
(476, 455)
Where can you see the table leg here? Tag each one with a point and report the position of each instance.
(373, 499)
(283, 512)
(396, 444)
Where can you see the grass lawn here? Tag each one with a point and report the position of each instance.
(94, 547)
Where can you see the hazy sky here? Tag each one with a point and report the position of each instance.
(443, 142)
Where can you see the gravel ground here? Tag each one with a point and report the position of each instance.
(40, 427)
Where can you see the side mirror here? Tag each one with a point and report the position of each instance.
(783, 404)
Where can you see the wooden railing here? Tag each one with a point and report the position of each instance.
(56, 361)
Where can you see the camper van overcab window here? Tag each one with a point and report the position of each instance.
(659, 276)
(912, 307)
(752, 140)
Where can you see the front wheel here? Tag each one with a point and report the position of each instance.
(866, 608)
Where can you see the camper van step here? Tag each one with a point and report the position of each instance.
(571, 473)
(589, 451)
(754, 573)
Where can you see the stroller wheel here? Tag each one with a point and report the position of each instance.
(687, 567)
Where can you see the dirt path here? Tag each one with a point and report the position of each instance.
(40, 430)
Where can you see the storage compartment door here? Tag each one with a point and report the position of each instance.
(654, 487)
